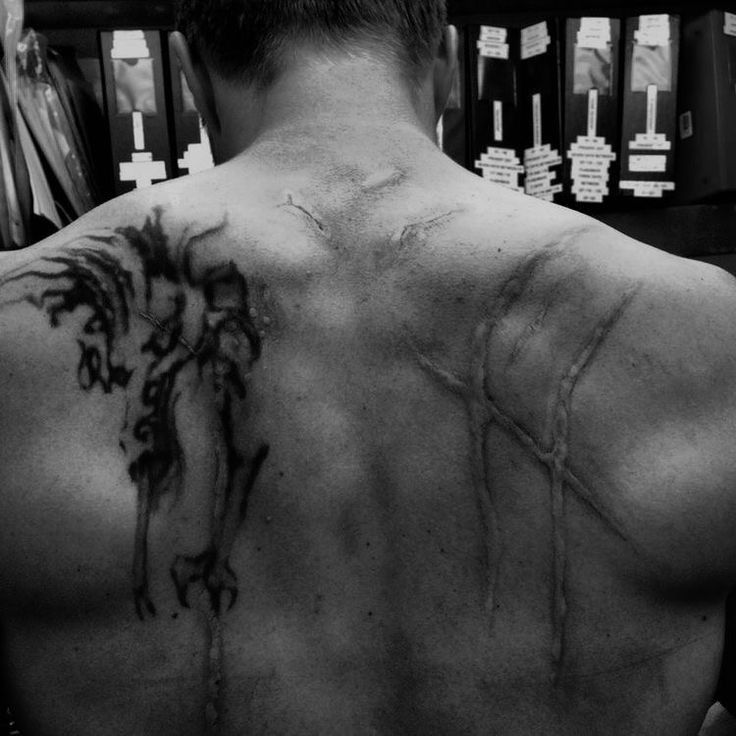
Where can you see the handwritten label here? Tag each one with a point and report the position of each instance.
(540, 159)
(198, 156)
(591, 158)
(139, 134)
(535, 40)
(497, 121)
(652, 109)
(654, 30)
(129, 45)
(648, 163)
(540, 179)
(594, 33)
(495, 34)
(493, 42)
(729, 27)
(494, 50)
(648, 189)
(537, 119)
(501, 166)
(657, 142)
(651, 140)
(592, 112)
(143, 170)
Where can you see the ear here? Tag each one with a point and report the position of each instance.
(198, 79)
(445, 69)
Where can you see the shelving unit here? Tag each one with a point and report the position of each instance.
(705, 231)
(64, 14)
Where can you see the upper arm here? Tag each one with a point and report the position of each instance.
(655, 421)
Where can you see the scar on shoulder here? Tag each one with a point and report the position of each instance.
(305, 210)
(383, 178)
(418, 231)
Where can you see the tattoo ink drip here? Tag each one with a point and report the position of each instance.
(138, 273)
(484, 412)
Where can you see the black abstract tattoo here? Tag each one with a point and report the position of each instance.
(196, 320)
(484, 411)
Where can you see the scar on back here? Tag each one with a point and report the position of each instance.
(314, 219)
(382, 179)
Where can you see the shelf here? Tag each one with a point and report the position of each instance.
(458, 8)
(706, 231)
(60, 14)
(100, 14)
(693, 230)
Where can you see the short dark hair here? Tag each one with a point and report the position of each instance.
(242, 40)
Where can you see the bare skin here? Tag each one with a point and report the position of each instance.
(339, 439)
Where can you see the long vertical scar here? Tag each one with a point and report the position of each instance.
(484, 411)
(559, 468)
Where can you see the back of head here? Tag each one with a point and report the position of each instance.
(245, 40)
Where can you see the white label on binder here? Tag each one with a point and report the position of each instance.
(493, 42)
(651, 163)
(651, 140)
(129, 45)
(649, 189)
(139, 134)
(535, 40)
(591, 159)
(497, 121)
(592, 113)
(493, 50)
(501, 166)
(652, 109)
(537, 119)
(654, 30)
(143, 170)
(656, 142)
(538, 163)
(730, 24)
(198, 156)
(494, 34)
(540, 159)
(594, 33)
(534, 33)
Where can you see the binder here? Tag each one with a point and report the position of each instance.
(135, 100)
(52, 130)
(540, 109)
(649, 126)
(12, 233)
(85, 116)
(706, 157)
(192, 151)
(97, 134)
(494, 149)
(16, 187)
(592, 109)
(451, 131)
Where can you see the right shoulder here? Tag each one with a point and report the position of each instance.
(624, 358)
(653, 413)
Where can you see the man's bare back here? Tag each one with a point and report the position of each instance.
(361, 448)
